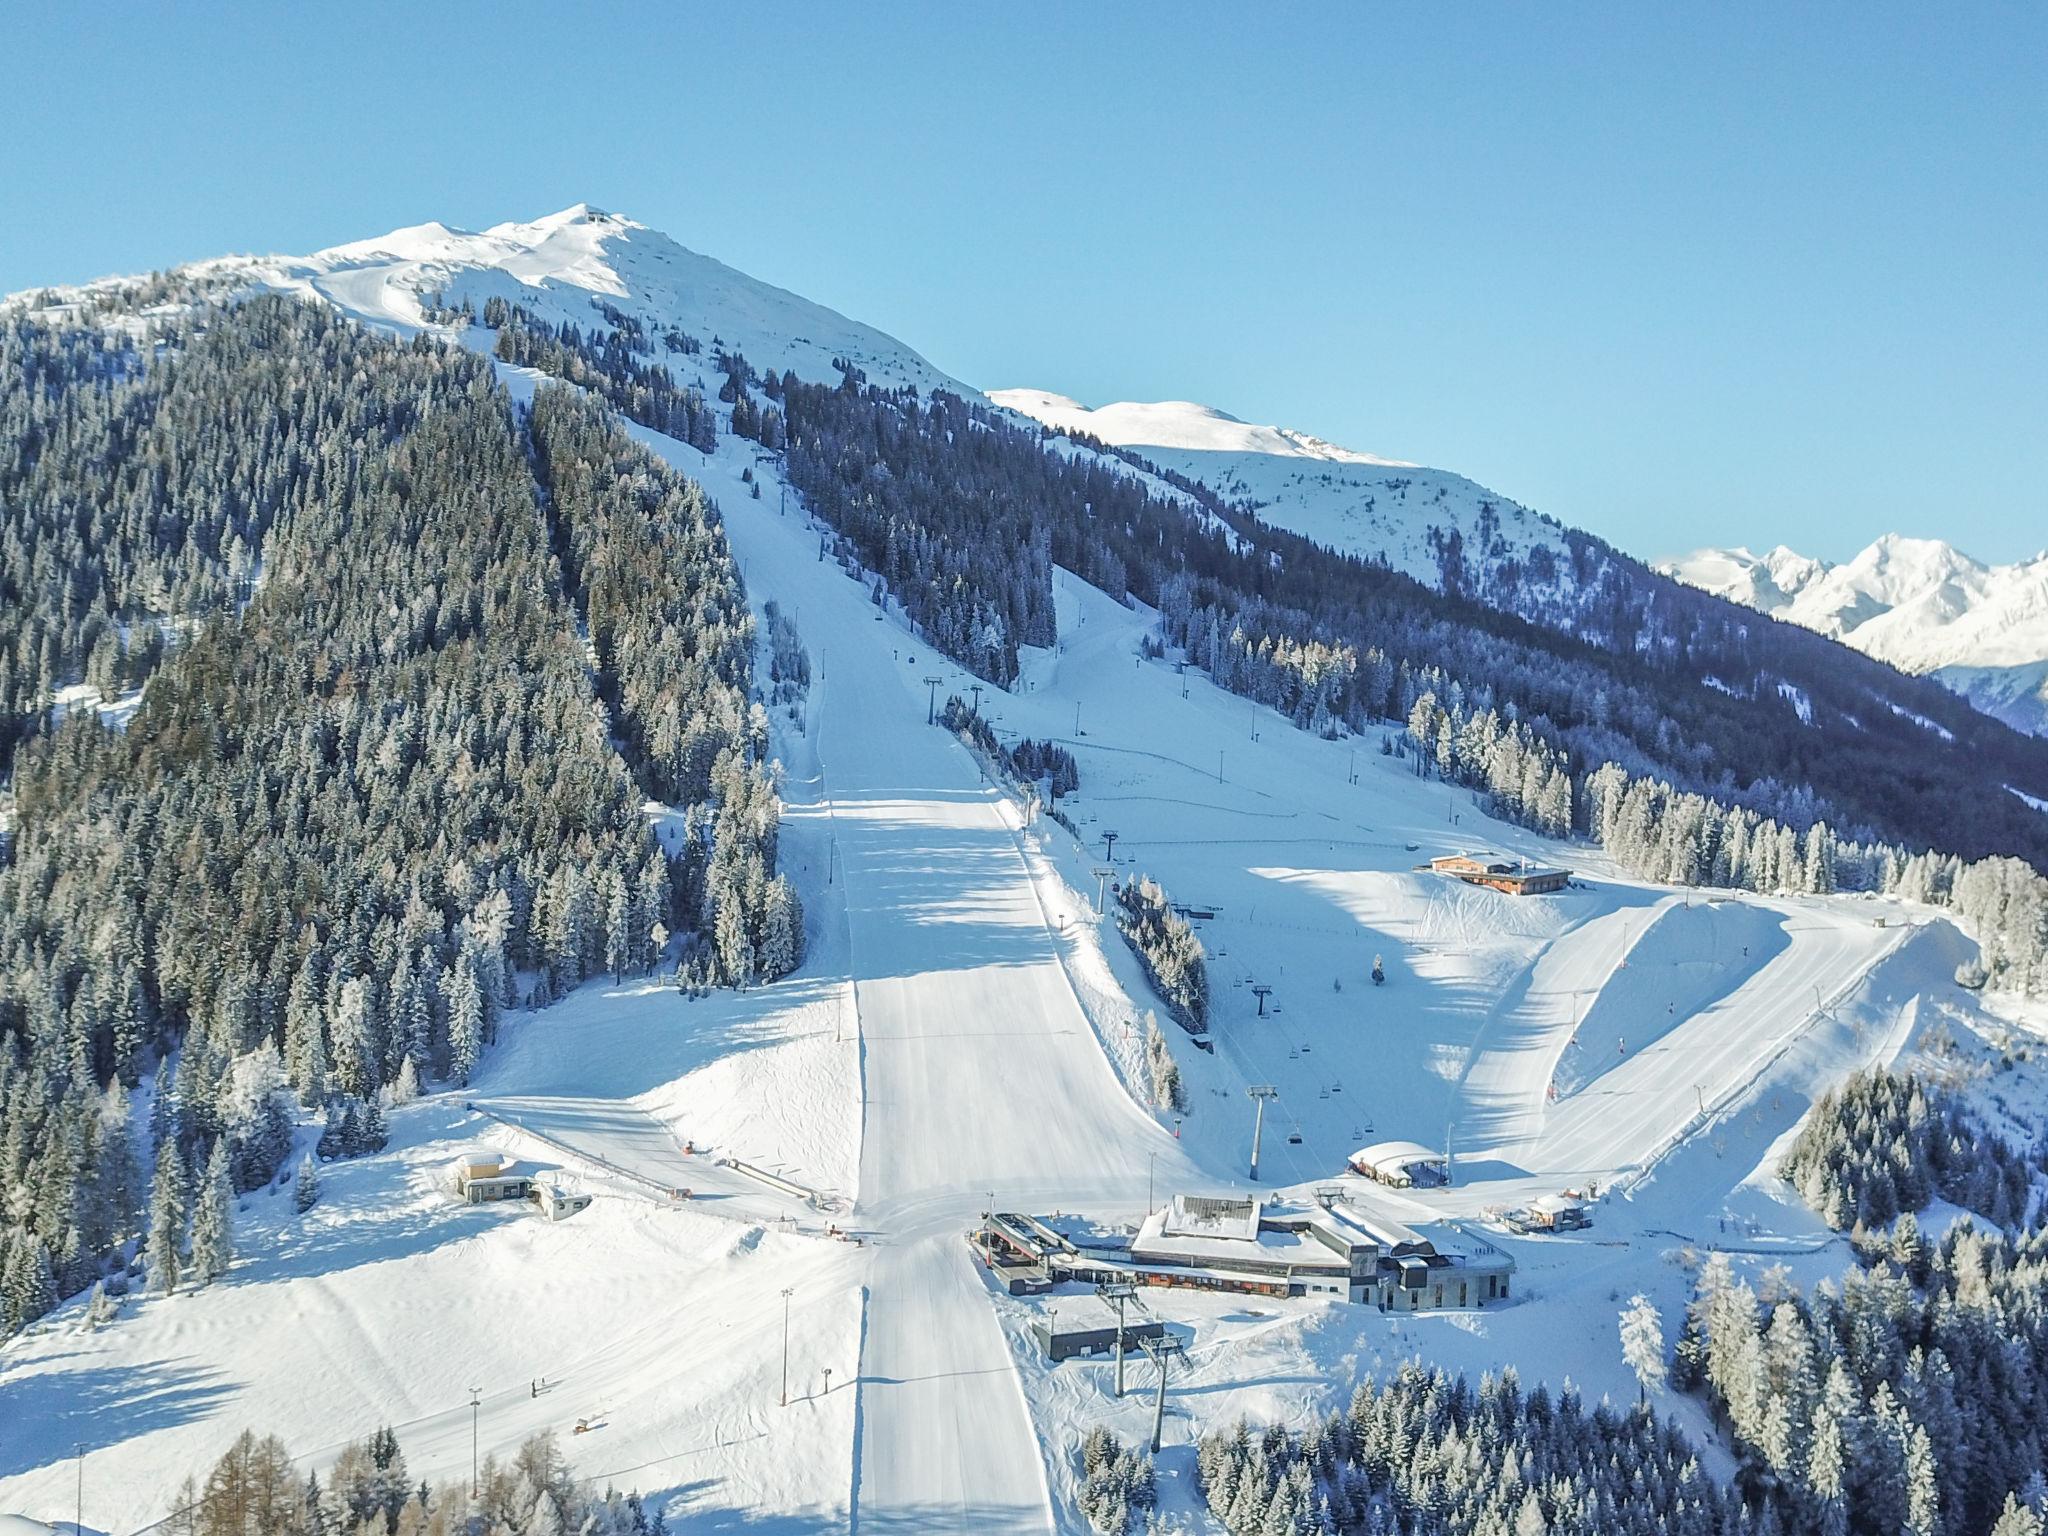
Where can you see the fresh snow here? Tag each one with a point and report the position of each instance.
(965, 1027)
(1920, 604)
(1402, 515)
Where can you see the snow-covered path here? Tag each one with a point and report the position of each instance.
(981, 1074)
(1632, 1111)
(959, 988)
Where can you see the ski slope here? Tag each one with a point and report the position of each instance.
(964, 1028)
(980, 1072)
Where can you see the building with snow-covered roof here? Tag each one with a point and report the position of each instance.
(1335, 1247)
(1401, 1164)
(1496, 871)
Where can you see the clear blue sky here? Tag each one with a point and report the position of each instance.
(1679, 275)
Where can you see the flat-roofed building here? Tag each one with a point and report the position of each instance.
(1496, 871)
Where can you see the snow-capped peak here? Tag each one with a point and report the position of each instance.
(1177, 424)
(1436, 526)
(1921, 604)
(561, 267)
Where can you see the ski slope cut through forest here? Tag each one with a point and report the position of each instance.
(967, 1028)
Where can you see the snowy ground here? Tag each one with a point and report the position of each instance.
(963, 1027)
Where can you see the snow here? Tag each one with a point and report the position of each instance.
(1920, 604)
(964, 1028)
(1179, 424)
(1359, 503)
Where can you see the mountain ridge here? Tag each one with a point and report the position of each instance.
(1921, 605)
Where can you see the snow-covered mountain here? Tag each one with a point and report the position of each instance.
(1434, 525)
(1920, 604)
(575, 265)
(561, 268)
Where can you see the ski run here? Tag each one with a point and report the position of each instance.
(805, 1339)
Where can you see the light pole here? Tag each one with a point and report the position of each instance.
(78, 1510)
(1151, 1162)
(787, 1292)
(475, 1404)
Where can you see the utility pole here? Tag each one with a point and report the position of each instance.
(1109, 846)
(78, 1509)
(1219, 765)
(1101, 878)
(475, 1404)
(931, 708)
(1354, 765)
(1258, 1093)
(1161, 1351)
(1151, 1164)
(1117, 1293)
(787, 1291)
(1077, 719)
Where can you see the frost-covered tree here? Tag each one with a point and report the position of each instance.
(213, 1218)
(1642, 1343)
(165, 1246)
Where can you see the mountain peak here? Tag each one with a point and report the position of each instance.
(1921, 604)
(1181, 424)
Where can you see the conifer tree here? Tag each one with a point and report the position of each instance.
(213, 1237)
(165, 1246)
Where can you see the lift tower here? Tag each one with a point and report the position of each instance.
(1259, 1093)
(1161, 1350)
(1118, 1294)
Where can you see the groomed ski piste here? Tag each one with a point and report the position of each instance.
(962, 1032)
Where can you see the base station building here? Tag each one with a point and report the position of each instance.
(1334, 1248)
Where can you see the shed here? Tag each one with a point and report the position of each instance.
(1557, 1213)
(557, 1203)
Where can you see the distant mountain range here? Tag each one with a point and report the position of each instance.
(1920, 604)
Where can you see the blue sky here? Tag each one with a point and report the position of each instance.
(1678, 275)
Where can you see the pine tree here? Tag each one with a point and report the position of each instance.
(213, 1237)
(407, 1088)
(465, 1019)
(165, 1245)
(306, 1186)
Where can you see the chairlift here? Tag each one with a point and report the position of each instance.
(1293, 1055)
(1294, 1137)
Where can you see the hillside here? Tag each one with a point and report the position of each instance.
(1437, 527)
(1920, 604)
(516, 734)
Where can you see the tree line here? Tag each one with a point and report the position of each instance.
(255, 1489)
(393, 788)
